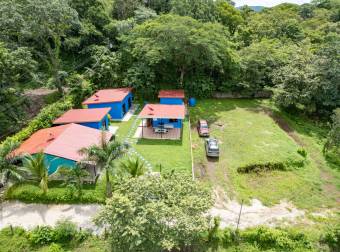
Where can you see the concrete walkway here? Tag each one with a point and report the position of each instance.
(29, 216)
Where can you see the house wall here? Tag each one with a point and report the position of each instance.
(53, 162)
(116, 111)
(160, 122)
(171, 101)
(97, 125)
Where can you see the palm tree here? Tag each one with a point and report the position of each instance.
(104, 155)
(37, 170)
(8, 168)
(134, 167)
(74, 175)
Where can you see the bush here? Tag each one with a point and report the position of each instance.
(270, 166)
(332, 238)
(270, 238)
(57, 193)
(41, 235)
(302, 152)
(55, 248)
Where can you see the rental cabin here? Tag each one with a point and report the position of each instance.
(118, 99)
(171, 97)
(94, 118)
(61, 144)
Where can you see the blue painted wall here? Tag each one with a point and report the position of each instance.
(160, 122)
(97, 125)
(171, 101)
(53, 162)
(116, 111)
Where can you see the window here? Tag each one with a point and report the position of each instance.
(173, 120)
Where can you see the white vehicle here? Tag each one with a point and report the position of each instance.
(211, 147)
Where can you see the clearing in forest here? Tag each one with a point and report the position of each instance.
(250, 138)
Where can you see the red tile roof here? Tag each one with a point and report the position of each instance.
(82, 115)
(163, 111)
(178, 93)
(108, 95)
(62, 141)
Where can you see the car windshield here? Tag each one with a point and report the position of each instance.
(213, 145)
(204, 126)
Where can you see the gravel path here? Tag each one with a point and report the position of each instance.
(31, 215)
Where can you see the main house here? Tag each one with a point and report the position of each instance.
(118, 99)
(94, 118)
(61, 144)
(171, 97)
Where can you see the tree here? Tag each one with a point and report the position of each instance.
(104, 155)
(333, 139)
(124, 9)
(133, 167)
(229, 16)
(151, 213)
(260, 60)
(203, 10)
(40, 24)
(74, 175)
(8, 167)
(36, 168)
(174, 49)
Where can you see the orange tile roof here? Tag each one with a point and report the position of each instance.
(163, 111)
(62, 141)
(108, 95)
(82, 115)
(178, 93)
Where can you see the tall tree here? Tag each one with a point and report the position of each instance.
(104, 156)
(151, 213)
(41, 24)
(176, 49)
(229, 16)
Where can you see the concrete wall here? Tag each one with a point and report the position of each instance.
(116, 111)
(160, 122)
(171, 101)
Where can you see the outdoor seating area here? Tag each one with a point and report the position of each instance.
(148, 132)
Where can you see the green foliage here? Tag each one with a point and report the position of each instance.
(57, 193)
(332, 238)
(37, 171)
(133, 167)
(8, 167)
(302, 152)
(155, 213)
(189, 48)
(203, 10)
(282, 240)
(229, 16)
(64, 232)
(271, 166)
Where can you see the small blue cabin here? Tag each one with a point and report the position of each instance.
(119, 100)
(93, 118)
(171, 97)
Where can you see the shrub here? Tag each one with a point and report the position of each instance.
(64, 231)
(302, 152)
(332, 238)
(270, 238)
(55, 248)
(270, 166)
(41, 235)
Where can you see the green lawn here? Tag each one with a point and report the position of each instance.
(170, 154)
(248, 135)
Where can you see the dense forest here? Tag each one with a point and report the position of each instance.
(203, 46)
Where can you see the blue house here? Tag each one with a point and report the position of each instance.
(93, 118)
(171, 97)
(61, 144)
(119, 100)
(162, 118)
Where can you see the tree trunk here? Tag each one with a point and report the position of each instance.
(108, 184)
(182, 76)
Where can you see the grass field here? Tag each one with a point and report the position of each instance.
(247, 135)
(170, 154)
